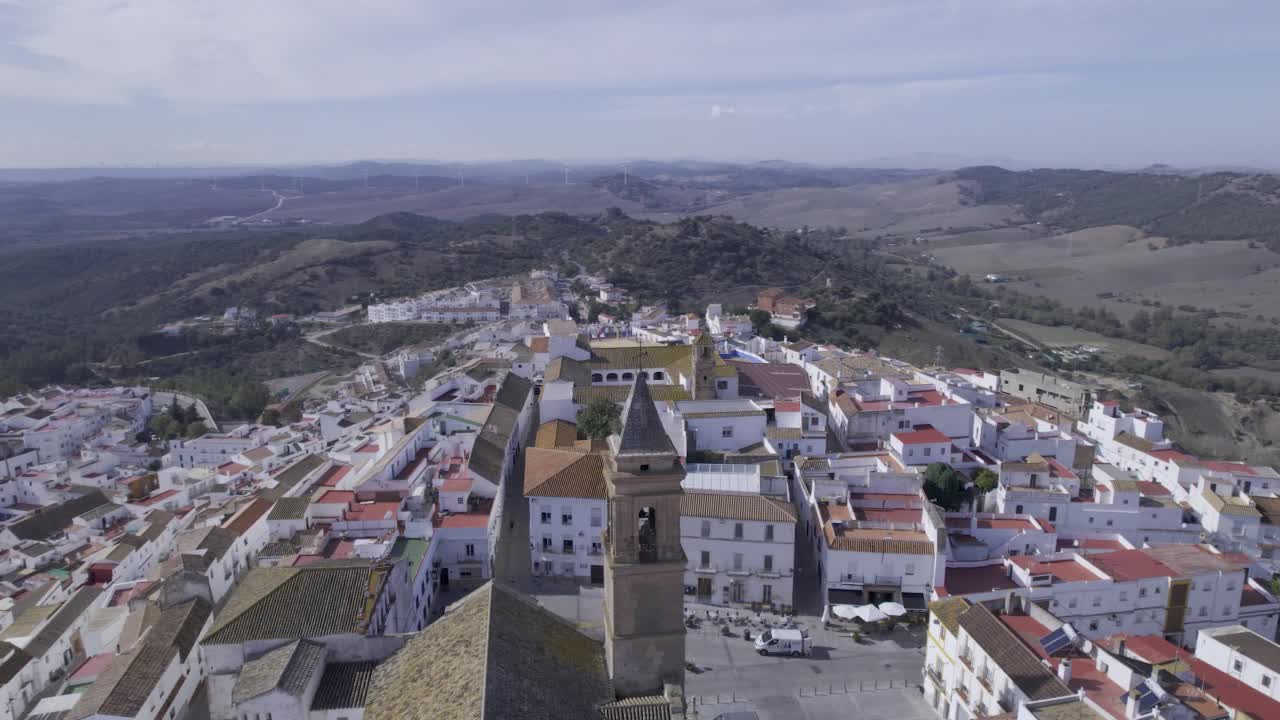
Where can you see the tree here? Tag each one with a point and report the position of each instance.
(195, 429)
(163, 426)
(1140, 323)
(985, 480)
(270, 416)
(759, 319)
(945, 486)
(600, 419)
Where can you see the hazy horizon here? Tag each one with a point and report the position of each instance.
(1038, 83)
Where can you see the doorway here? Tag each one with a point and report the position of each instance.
(704, 590)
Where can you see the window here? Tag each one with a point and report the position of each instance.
(1204, 611)
(657, 374)
(706, 528)
(768, 563)
(927, 451)
(546, 518)
(737, 561)
(1237, 665)
(568, 545)
(705, 560)
(1093, 624)
(546, 543)
(1017, 510)
(1123, 596)
(566, 518)
(737, 531)
(726, 431)
(597, 517)
(910, 569)
(595, 548)
(1053, 514)
(470, 550)
(766, 594)
(722, 384)
(460, 501)
(1072, 603)
(1142, 592)
(1266, 681)
(911, 452)
(768, 532)
(1110, 523)
(1090, 521)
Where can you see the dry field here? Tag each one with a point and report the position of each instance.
(1076, 268)
(1068, 337)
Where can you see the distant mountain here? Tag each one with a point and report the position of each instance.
(1217, 206)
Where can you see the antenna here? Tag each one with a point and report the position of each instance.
(462, 182)
(366, 179)
(566, 176)
(624, 173)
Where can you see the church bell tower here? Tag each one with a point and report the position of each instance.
(704, 367)
(644, 563)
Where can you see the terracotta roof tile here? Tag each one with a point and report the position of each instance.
(734, 506)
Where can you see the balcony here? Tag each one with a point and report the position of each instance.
(935, 674)
(893, 580)
(967, 659)
(985, 681)
(962, 694)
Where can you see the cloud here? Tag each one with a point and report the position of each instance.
(289, 51)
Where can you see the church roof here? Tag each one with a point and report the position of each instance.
(497, 654)
(642, 430)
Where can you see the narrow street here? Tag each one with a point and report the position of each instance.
(511, 557)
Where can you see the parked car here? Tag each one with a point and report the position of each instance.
(783, 642)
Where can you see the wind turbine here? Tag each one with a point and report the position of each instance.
(625, 168)
(566, 176)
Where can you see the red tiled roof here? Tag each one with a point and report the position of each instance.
(1173, 456)
(1228, 467)
(369, 447)
(1131, 565)
(231, 468)
(1251, 596)
(1147, 648)
(788, 406)
(1061, 570)
(337, 497)
(460, 482)
(473, 519)
(246, 518)
(1090, 544)
(1152, 489)
(374, 511)
(331, 476)
(887, 515)
(922, 435)
(156, 498)
(963, 581)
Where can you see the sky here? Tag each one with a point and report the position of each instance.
(1080, 83)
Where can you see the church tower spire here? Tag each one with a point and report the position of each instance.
(644, 562)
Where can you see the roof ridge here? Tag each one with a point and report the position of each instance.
(484, 646)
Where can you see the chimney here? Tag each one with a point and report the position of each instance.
(1010, 603)
(1120, 647)
(1064, 671)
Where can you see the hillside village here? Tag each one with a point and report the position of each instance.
(1045, 549)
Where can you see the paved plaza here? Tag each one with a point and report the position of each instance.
(878, 677)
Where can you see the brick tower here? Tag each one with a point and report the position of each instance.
(643, 560)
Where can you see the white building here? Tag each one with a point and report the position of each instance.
(155, 679)
(565, 490)
(1245, 654)
(740, 549)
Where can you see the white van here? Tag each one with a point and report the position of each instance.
(783, 642)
